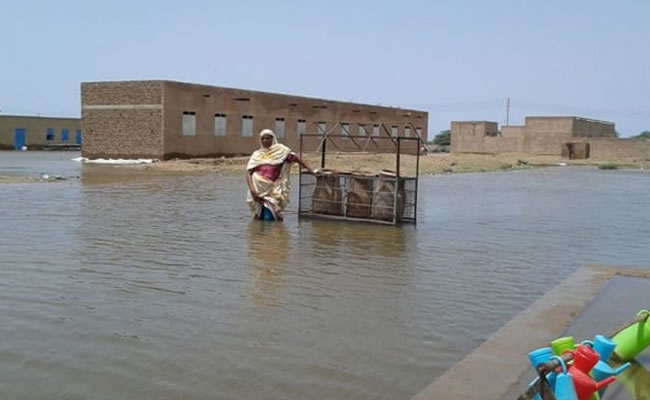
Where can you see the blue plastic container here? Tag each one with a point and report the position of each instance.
(605, 347)
(537, 357)
(564, 389)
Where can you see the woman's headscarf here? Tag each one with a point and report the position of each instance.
(275, 154)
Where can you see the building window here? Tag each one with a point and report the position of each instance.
(302, 127)
(219, 124)
(247, 125)
(375, 130)
(322, 128)
(49, 135)
(419, 131)
(189, 123)
(362, 130)
(407, 131)
(393, 131)
(279, 128)
(345, 129)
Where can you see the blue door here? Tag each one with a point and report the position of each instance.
(77, 139)
(19, 138)
(64, 135)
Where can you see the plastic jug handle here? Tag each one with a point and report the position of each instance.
(647, 312)
(562, 363)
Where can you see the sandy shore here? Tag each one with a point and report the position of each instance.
(429, 164)
(438, 163)
(34, 179)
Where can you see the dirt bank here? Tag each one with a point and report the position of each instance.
(429, 164)
(439, 163)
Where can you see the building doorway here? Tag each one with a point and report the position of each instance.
(576, 151)
(19, 138)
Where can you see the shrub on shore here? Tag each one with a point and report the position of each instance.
(607, 166)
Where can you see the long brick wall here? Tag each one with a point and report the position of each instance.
(616, 149)
(265, 109)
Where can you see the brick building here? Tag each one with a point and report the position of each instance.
(571, 137)
(17, 131)
(166, 119)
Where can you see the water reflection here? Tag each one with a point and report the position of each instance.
(98, 174)
(268, 255)
(331, 238)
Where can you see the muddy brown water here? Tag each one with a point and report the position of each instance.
(122, 284)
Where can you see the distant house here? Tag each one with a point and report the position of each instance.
(570, 137)
(17, 131)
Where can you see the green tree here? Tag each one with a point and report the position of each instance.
(643, 135)
(443, 138)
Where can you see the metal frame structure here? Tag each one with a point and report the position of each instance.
(398, 179)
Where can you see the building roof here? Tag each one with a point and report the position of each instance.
(474, 122)
(257, 92)
(570, 117)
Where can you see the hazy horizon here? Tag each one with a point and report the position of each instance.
(457, 61)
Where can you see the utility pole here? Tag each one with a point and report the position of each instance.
(508, 111)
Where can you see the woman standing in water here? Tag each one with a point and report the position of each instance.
(267, 175)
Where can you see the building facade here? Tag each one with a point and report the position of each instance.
(568, 136)
(166, 119)
(17, 131)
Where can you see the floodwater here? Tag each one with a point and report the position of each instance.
(123, 284)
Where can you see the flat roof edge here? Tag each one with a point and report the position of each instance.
(36, 116)
(570, 117)
(474, 122)
(251, 91)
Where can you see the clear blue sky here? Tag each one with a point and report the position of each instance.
(458, 60)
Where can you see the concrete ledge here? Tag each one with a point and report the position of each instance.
(485, 374)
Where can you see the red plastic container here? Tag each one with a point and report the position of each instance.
(584, 359)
